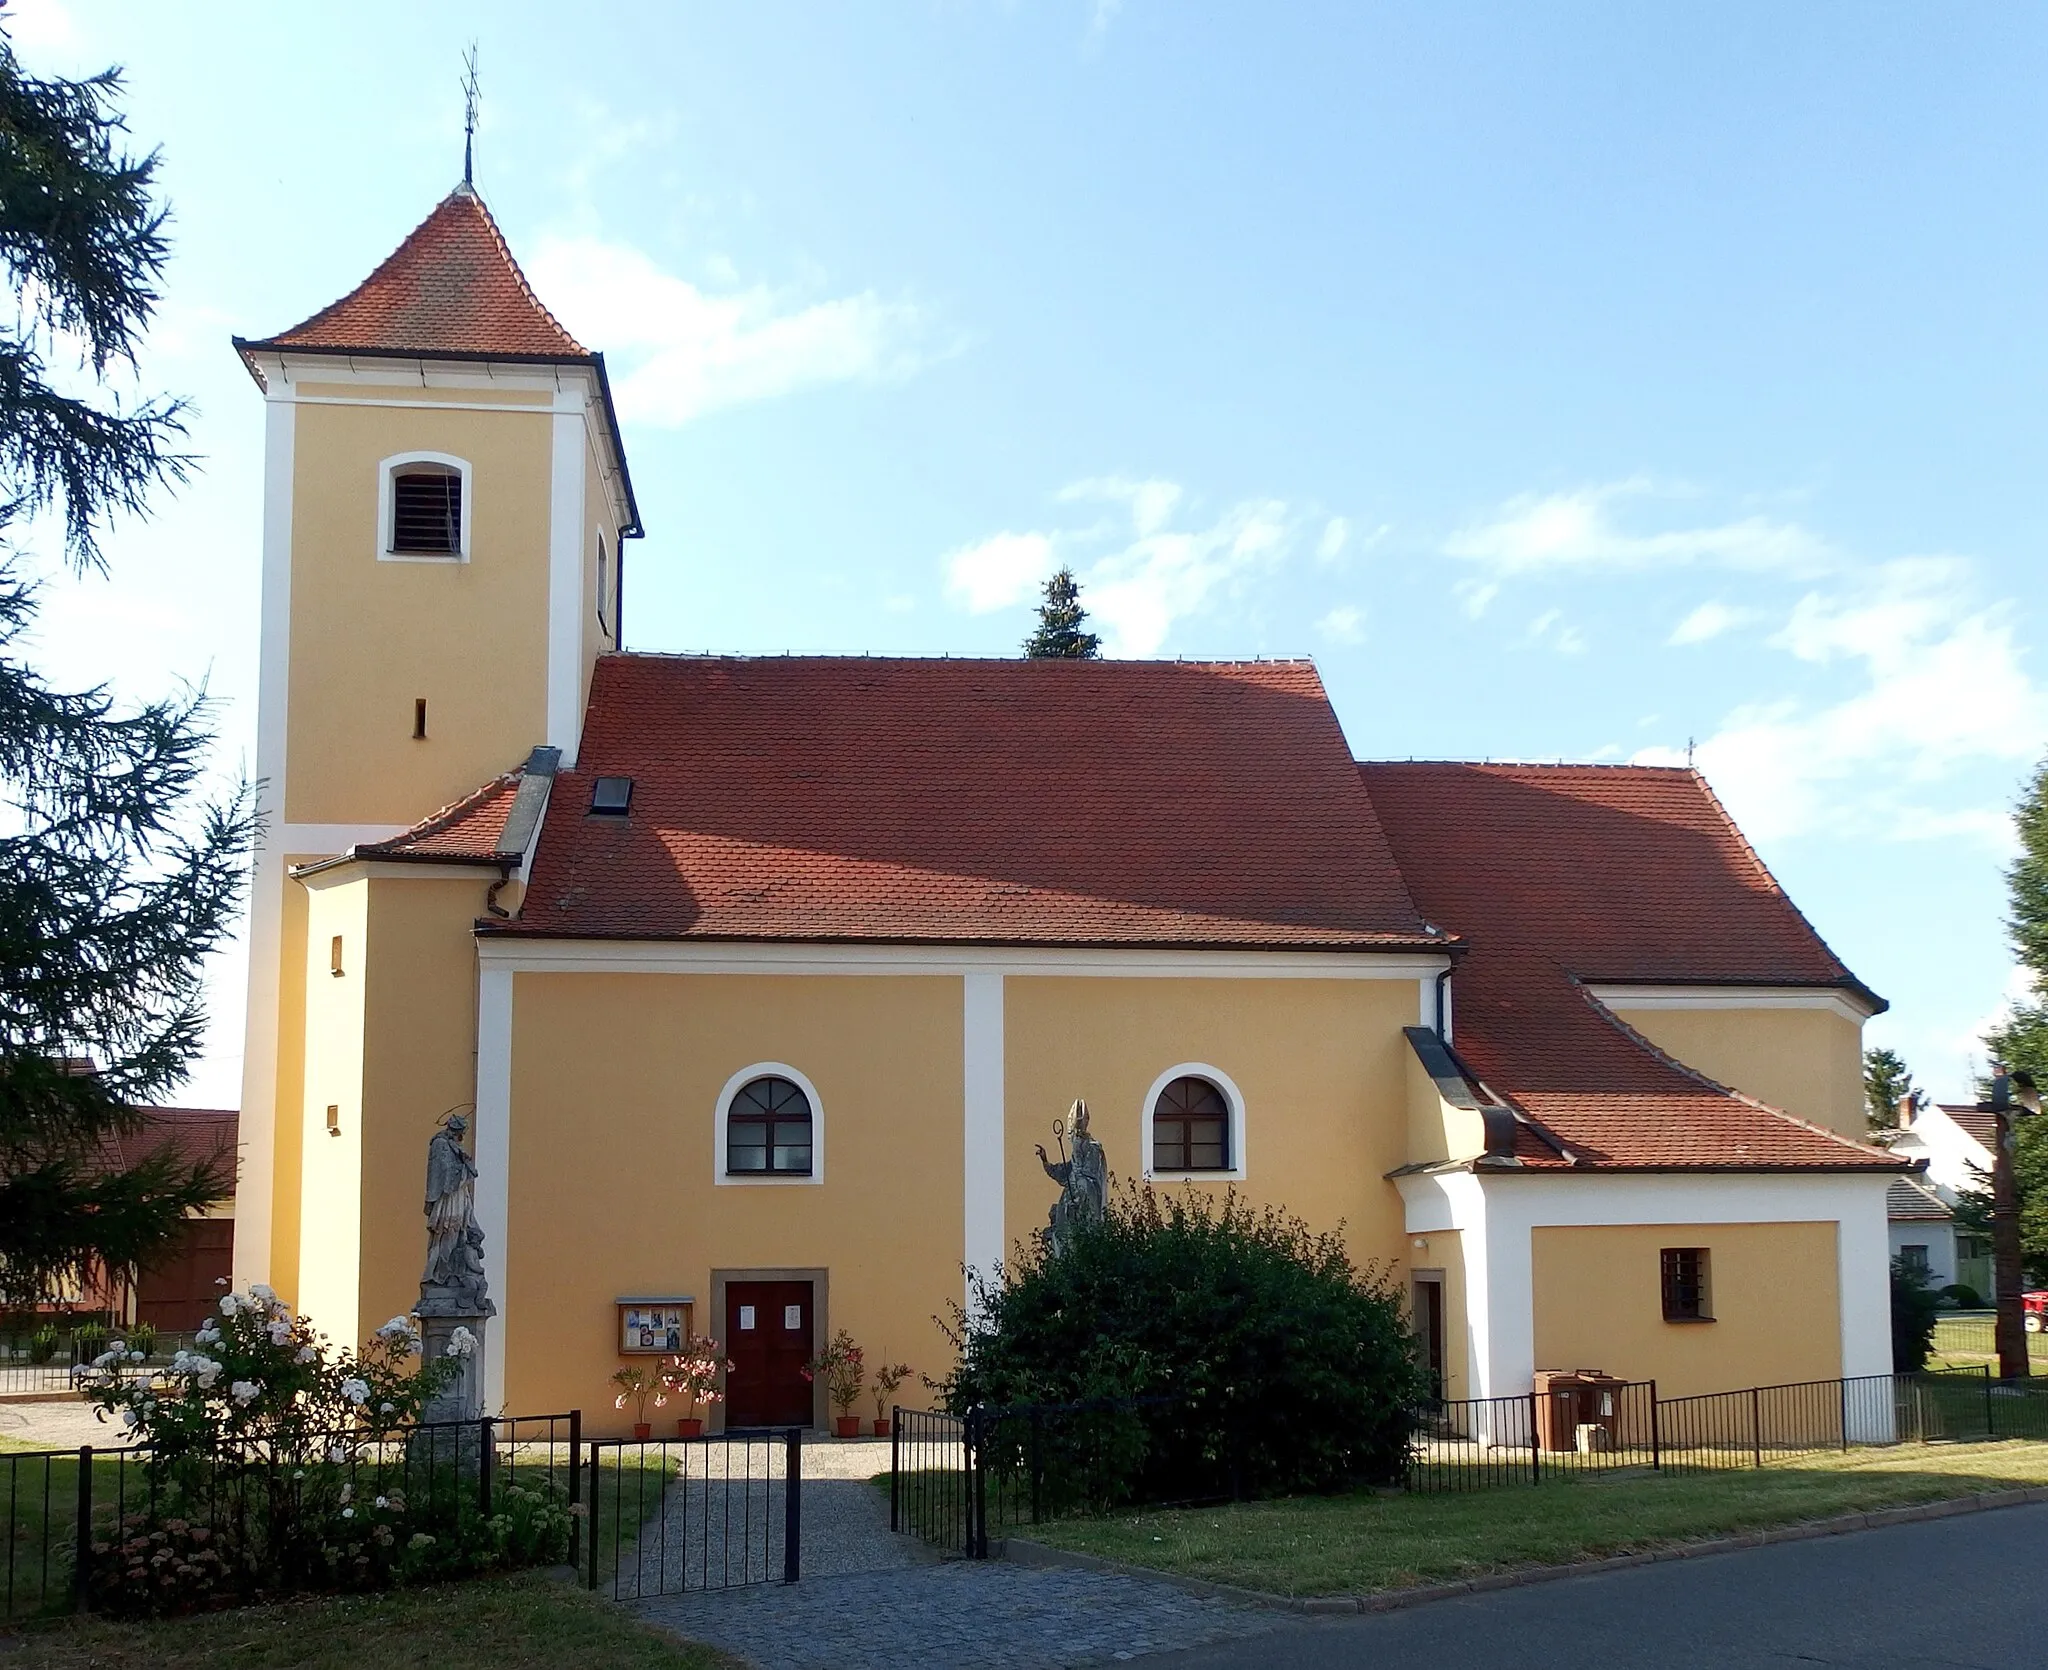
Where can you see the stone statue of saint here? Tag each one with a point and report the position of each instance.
(453, 1284)
(1083, 1177)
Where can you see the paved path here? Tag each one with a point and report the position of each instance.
(870, 1600)
(1937, 1595)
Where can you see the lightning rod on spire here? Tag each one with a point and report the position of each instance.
(470, 95)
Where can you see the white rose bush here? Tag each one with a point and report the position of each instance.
(277, 1463)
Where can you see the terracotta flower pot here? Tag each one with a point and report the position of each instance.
(643, 1430)
(689, 1426)
(848, 1426)
(881, 1429)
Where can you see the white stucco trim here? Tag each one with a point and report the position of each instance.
(1622, 999)
(565, 577)
(258, 1137)
(1496, 1216)
(723, 1106)
(387, 473)
(492, 1145)
(591, 956)
(981, 1038)
(1233, 1098)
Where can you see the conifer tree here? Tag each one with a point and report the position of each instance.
(114, 886)
(1885, 1080)
(2022, 1041)
(1059, 636)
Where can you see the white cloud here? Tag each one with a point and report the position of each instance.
(1578, 531)
(41, 26)
(1154, 575)
(1709, 621)
(1553, 629)
(994, 573)
(1474, 595)
(1101, 14)
(692, 351)
(1336, 534)
(1344, 624)
(1942, 688)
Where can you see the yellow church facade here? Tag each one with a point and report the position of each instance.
(765, 980)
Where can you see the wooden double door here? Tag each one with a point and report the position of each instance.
(768, 1334)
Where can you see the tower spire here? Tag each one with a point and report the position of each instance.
(470, 95)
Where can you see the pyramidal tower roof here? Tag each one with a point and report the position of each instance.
(451, 287)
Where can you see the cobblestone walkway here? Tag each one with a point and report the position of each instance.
(962, 1615)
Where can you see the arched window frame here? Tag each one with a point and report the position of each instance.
(1233, 1099)
(388, 471)
(723, 1111)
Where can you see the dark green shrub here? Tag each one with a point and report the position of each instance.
(1915, 1309)
(1277, 1365)
(42, 1344)
(1963, 1296)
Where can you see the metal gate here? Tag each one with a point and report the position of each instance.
(676, 1515)
(933, 1483)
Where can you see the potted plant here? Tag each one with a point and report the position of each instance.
(844, 1373)
(693, 1376)
(638, 1385)
(887, 1378)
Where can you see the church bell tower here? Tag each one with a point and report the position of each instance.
(444, 497)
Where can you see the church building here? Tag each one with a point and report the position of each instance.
(762, 979)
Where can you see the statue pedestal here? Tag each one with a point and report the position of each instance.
(461, 1399)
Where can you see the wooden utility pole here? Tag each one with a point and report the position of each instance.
(2010, 1335)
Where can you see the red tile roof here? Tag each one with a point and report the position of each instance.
(1563, 876)
(1980, 1125)
(1009, 802)
(467, 831)
(451, 287)
(191, 1135)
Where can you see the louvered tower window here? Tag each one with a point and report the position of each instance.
(426, 511)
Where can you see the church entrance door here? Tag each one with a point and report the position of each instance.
(768, 1341)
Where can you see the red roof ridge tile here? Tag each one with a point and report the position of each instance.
(431, 290)
(1771, 882)
(446, 818)
(1866, 1152)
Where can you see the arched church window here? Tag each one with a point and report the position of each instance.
(423, 508)
(768, 1129)
(1190, 1127)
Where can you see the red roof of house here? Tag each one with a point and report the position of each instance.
(1561, 877)
(1980, 1125)
(192, 1136)
(451, 287)
(949, 801)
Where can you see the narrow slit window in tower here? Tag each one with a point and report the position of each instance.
(419, 719)
(334, 956)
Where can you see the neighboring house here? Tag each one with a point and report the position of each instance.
(1923, 1231)
(766, 977)
(175, 1293)
(1954, 1140)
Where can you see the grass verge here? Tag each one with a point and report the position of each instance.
(1353, 1545)
(527, 1622)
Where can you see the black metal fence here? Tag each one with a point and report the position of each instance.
(954, 1479)
(1480, 1443)
(337, 1510)
(21, 1374)
(670, 1516)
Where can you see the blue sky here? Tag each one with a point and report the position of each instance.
(1570, 381)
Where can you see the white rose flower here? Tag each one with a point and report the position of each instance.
(386, 1408)
(209, 1372)
(246, 1392)
(208, 1334)
(305, 1354)
(265, 1292)
(356, 1391)
(279, 1331)
(105, 1359)
(462, 1343)
(382, 1503)
(129, 1418)
(229, 1304)
(348, 1513)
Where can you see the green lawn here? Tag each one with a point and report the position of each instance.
(529, 1622)
(1358, 1544)
(1964, 1340)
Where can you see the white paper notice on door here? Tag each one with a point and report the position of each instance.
(792, 1316)
(746, 1316)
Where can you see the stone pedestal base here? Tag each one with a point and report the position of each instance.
(462, 1398)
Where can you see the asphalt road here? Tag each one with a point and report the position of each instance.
(1963, 1592)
